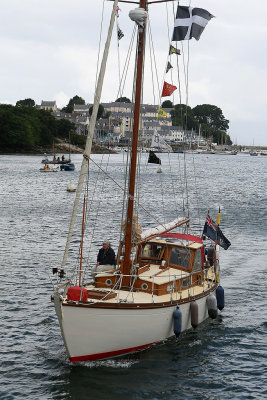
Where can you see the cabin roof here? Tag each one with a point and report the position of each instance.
(180, 239)
(183, 236)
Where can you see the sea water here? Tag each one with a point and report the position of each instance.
(224, 358)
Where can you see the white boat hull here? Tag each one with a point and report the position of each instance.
(92, 333)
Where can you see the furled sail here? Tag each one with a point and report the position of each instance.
(163, 228)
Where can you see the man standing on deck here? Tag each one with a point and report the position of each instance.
(105, 259)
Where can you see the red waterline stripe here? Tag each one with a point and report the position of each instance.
(110, 354)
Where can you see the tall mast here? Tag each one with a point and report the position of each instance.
(126, 262)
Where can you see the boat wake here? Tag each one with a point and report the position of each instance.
(123, 364)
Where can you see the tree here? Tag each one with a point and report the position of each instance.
(24, 127)
(64, 128)
(213, 123)
(123, 100)
(75, 100)
(212, 116)
(167, 104)
(99, 112)
(25, 103)
(182, 115)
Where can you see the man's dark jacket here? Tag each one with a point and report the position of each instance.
(106, 257)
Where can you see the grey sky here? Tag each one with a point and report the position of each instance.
(49, 52)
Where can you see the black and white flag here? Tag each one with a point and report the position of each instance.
(120, 34)
(190, 23)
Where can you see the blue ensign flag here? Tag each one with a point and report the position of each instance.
(213, 231)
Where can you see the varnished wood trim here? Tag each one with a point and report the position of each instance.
(141, 305)
(143, 269)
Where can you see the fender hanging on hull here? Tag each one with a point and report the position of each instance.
(212, 306)
(177, 322)
(194, 314)
(220, 297)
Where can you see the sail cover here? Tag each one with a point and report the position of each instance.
(162, 228)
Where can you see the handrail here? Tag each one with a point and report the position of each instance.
(209, 276)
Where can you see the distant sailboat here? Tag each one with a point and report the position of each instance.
(253, 152)
(158, 144)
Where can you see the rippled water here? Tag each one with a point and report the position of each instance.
(222, 359)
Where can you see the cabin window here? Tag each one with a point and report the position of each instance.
(198, 260)
(185, 283)
(180, 257)
(151, 251)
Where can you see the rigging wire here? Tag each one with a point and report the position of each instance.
(97, 208)
(151, 65)
(116, 183)
(172, 184)
(118, 53)
(99, 43)
(197, 195)
(154, 58)
(126, 64)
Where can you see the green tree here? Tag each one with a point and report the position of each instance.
(123, 100)
(75, 100)
(212, 116)
(182, 115)
(78, 140)
(99, 112)
(25, 103)
(22, 127)
(213, 123)
(167, 104)
(64, 128)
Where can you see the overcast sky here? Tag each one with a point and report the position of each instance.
(49, 52)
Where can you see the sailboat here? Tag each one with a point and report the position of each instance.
(165, 280)
(68, 166)
(158, 144)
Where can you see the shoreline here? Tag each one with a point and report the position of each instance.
(58, 148)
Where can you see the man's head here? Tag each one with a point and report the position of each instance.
(106, 244)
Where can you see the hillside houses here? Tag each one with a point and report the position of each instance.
(117, 122)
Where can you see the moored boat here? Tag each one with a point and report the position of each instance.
(47, 168)
(67, 167)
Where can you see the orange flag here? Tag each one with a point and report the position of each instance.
(168, 89)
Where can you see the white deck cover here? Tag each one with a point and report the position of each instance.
(161, 228)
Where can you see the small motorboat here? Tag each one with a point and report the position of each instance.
(46, 168)
(67, 167)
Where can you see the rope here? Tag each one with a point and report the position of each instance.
(197, 196)
(153, 54)
(126, 64)
(174, 193)
(143, 208)
(186, 188)
(118, 52)
(99, 43)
